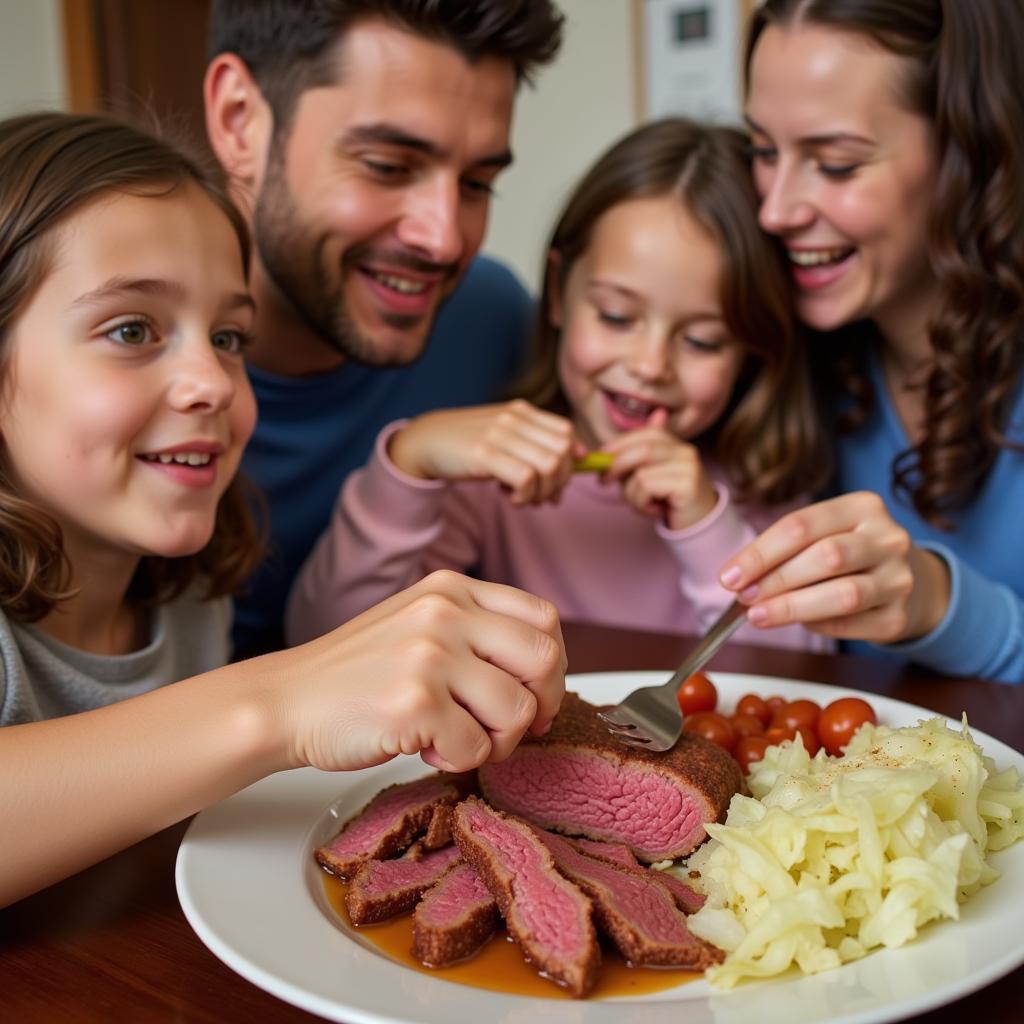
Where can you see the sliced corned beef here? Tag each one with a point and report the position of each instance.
(614, 853)
(381, 889)
(579, 780)
(455, 917)
(632, 909)
(688, 900)
(547, 916)
(439, 831)
(387, 824)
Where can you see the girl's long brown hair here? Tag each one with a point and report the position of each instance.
(769, 442)
(966, 75)
(51, 165)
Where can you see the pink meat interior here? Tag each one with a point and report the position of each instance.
(618, 852)
(381, 813)
(638, 898)
(454, 895)
(689, 900)
(626, 803)
(385, 876)
(541, 898)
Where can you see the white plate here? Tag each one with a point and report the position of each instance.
(250, 888)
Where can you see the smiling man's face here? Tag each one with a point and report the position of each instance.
(372, 207)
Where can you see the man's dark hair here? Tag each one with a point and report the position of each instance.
(291, 45)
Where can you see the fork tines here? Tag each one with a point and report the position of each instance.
(621, 728)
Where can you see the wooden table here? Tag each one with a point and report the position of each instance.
(111, 944)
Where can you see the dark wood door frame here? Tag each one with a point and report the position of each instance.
(138, 58)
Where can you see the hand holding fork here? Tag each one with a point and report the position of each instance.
(650, 718)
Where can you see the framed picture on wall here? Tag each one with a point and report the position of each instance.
(687, 57)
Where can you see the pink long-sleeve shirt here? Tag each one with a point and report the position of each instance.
(593, 555)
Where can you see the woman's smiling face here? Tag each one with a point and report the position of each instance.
(846, 173)
(642, 327)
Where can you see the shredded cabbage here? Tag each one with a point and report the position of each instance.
(832, 857)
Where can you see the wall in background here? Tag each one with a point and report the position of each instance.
(31, 56)
(593, 94)
(580, 103)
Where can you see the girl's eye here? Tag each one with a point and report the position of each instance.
(702, 344)
(838, 171)
(230, 340)
(134, 332)
(614, 320)
(762, 154)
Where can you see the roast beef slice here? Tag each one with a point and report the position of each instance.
(381, 889)
(579, 781)
(614, 853)
(547, 916)
(387, 824)
(455, 917)
(632, 908)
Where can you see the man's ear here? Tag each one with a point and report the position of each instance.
(239, 121)
(553, 281)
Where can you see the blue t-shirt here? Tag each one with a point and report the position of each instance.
(982, 634)
(313, 431)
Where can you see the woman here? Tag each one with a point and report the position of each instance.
(887, 150)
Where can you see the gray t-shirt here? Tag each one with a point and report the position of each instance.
(44, 678)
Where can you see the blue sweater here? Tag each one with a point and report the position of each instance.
(982, 634)
(313, 431)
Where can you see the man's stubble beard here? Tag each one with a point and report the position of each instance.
(296, 267)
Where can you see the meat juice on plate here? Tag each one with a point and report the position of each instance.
(500, 966)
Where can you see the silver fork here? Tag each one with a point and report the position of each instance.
(650, 718)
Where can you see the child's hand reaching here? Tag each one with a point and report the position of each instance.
(526, 449)
(661, 475)
(453, 669)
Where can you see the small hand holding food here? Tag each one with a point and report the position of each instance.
(844, 568)
(595, 461)
(662, 475)
(528, 450)
(453, 669)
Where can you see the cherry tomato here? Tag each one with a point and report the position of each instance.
(752, 704)
(840, 720)
(698, 693)
(750, 749)
(778, 734)
(811, 742)
(798, 712)
(711, 726)
(746, 725)
(775, 702)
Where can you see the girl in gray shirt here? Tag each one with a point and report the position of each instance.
(124, 409)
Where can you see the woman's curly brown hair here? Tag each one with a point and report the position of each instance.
(966, 77)
(51, 165)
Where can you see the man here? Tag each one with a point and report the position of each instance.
(362, 139)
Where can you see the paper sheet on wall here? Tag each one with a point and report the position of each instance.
(691, 58)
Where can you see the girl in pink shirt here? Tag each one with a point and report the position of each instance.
(664, 342)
